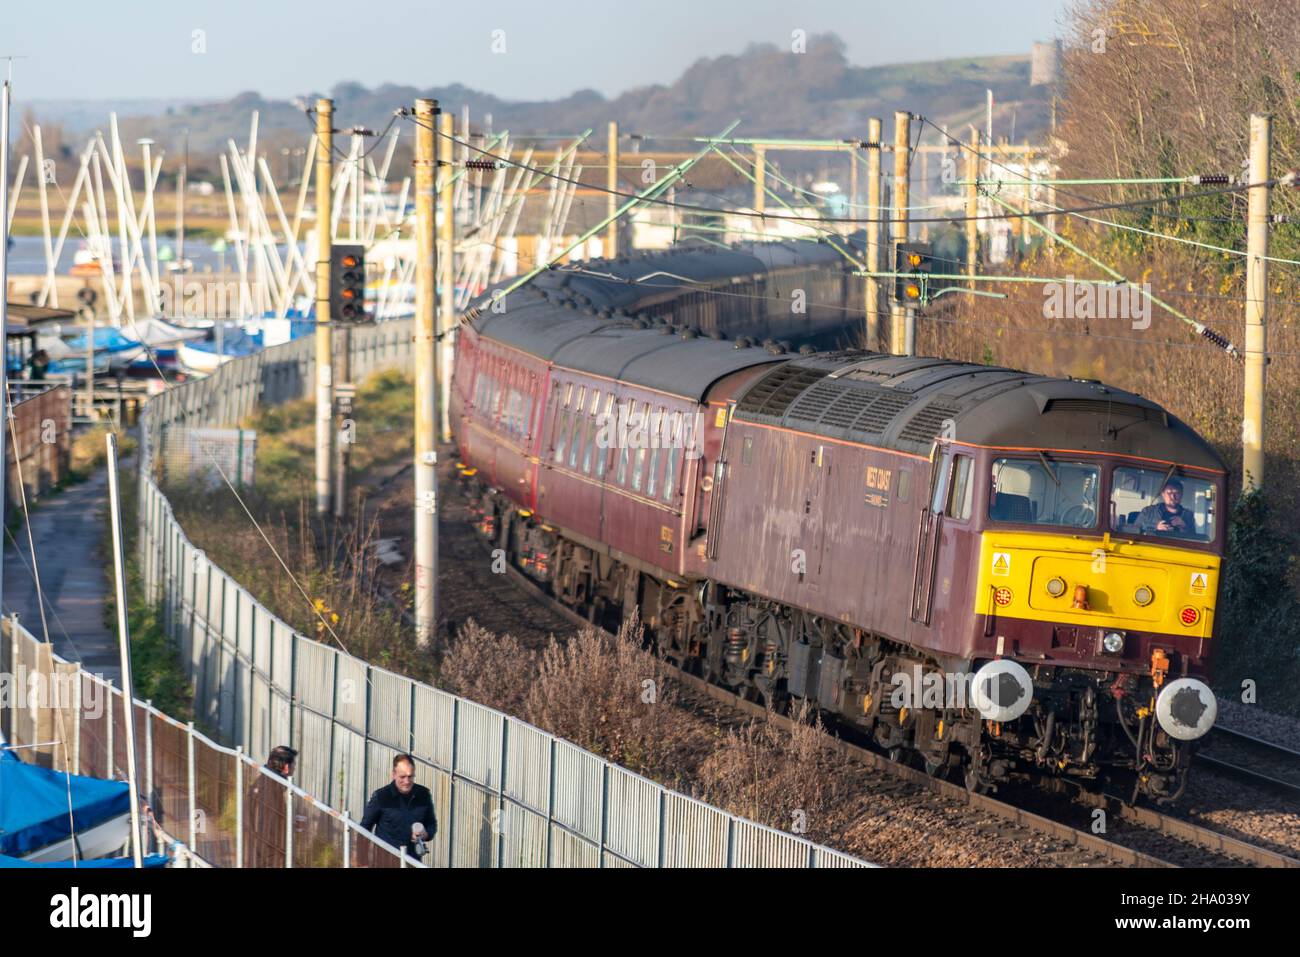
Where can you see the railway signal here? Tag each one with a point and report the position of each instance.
(348, 282)
(912, 264)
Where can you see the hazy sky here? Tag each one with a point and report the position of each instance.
(95, 49)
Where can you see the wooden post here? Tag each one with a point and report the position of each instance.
(611, 183)
(426, 373)
(972, 205)
(324, 351)
(873, 233)
(899, 314)
(1252, 426)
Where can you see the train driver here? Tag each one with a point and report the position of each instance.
(1168, 516)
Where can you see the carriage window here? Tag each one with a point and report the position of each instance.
(562, 428)
(593, 430)
(568, 394)
(637, 469)
(904, 483)
(1163, 504)
(670, 473)
(578, 439)
(652, 476)
(1044, 491)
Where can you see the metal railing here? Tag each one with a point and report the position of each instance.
(225, 808)
(506, 794)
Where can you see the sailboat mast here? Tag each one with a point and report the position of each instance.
(124, 644)
(4, 295)
(180, 208)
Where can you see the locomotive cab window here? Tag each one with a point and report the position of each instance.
(1162, 504)
(1044, 491)
(961, 488)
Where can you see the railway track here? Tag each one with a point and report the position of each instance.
(1252, 760)
(1134, 837)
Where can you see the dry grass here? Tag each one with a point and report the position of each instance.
(784, 779)
(608, 694)
(332, 594)
(89, 451)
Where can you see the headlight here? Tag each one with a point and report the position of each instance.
(1056, 587)
(1143, 596)
(1112, 643)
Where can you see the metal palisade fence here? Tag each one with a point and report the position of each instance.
(506, 794)
(220, 805)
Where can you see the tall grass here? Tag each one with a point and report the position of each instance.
(318, 577)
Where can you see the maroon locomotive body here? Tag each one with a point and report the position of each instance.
(844, 526)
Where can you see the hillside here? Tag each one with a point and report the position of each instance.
(772, 91)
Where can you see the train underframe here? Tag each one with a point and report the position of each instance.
(1094, 729)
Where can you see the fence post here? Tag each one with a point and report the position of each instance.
(288, 826)
(604, 809)
(334, 724)
(111, 768)
(451, 787)
(550, 799)
(731, 841)
(148, 753)
(660, 857)
(239, 805)
(189, 780)
(499, 826)
(347, 840)
(76, 721)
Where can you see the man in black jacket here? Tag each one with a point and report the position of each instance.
(1167, 516)
(401, 813)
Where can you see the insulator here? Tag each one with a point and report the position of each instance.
(1212, 179)
(480, 164)
(1219, 340)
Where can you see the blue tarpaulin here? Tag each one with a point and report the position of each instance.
(153, 860)
(107, 339)
(34, 805)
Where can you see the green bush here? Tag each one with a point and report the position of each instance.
(1259, 615)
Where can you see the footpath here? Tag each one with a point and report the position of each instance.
(67, 528)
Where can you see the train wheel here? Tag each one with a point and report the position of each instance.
(975, 783)
(935, 768)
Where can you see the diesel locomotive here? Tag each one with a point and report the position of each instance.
(993, 573)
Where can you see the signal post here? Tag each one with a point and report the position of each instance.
(324, 345)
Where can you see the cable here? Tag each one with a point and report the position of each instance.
(1130, 204)
(989, 159)
(310, 114)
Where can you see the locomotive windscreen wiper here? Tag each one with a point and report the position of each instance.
(1048, 465)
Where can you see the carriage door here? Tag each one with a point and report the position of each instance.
(927, 539)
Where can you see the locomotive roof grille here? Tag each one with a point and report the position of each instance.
(926, 424)
(773, 394)
(880, 414)
(828, 405)
(1105, 407)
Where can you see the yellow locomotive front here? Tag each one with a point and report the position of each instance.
(1093, 613)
